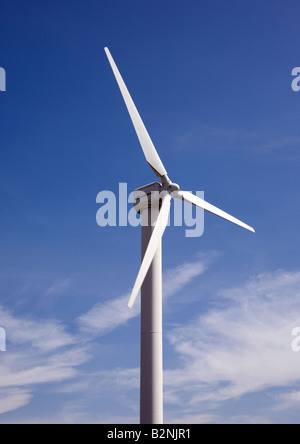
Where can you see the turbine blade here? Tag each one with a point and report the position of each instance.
(158, 231)
(146, 143)
(195, 200)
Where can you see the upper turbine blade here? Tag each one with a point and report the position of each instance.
(191, 198)
(158, 231)
(149, 150)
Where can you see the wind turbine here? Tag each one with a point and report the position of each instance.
(149, 278)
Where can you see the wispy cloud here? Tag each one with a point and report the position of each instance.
(59, 287)
(43, 352)
(193, 419)
(37, 352)
(241, 345)
(44, 335)
(105, 317)
(289, 400)
(177, 278)
(243, 348)
(13, 399)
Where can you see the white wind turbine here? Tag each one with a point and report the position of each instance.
(149, 278)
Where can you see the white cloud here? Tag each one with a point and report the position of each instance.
(59, 287)
(242, 348)
(247, 419)
(290, 400)
(38, 352)
(45, 335)
(105, 317)
(42, 351)
(13, 399)
(192, 419)
(175, 279)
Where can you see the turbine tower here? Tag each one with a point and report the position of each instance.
(153, 203)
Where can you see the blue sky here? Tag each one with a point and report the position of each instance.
(212, 81)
